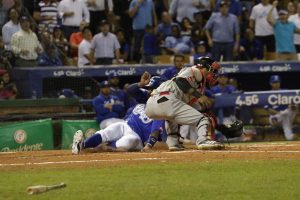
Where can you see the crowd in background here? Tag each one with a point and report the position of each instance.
(89, 32)
(103, 32)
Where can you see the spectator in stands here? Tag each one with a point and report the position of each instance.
(282, 115)
(8, 89)
(108, 108)
(262, 29)
(142, 13)
(99, 10)
(171, 72)
(223, 34)
(150, 45)
(177, 43)
(284, 34)
(25, 45)
(105, 46)
(23, 11)
(123, 20)
(11, 27)
(6, 56)
(250, 47)
(296, 20)
(186, 27)
(75, 40)
(183, 8)
(200, 50)
(124, 46)
(198, 34)
(50, 56)
(62, 44)
(72, 13)
(45, 13)
(291, 8)
(84, 51)
(234, 7)
(164, 27)
(2, 15)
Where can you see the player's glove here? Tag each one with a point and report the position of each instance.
(231, 130)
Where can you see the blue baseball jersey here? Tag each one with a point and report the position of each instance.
(140, 123)
(122, 95)
(103, 113)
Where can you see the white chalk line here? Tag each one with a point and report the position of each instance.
(141, 159)
(230, 151)
(80, 161)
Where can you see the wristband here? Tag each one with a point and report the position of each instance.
(151, 141)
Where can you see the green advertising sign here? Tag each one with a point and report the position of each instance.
(69, 127)
(27, 136)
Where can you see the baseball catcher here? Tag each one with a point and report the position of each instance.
(180, 100)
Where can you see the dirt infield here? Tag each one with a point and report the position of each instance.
(64, 159)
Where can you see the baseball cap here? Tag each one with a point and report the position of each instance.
(201, 43)
(104, 22)
(282, 12)
(67, 93)
(275, 79)
(57, 27)
(24, 18)
(112, 75)
(103, 84)
(222, 3)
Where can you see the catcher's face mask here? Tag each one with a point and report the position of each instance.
(213, 73)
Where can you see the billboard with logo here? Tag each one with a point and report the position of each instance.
(27, 136)
(69, 127)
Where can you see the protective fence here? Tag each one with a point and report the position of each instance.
(27, 136)
(47, 81)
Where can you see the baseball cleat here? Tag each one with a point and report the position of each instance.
(77, 142)
(210, 145)
(177, 147)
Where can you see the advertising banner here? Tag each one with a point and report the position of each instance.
(69, 127)
(27, 136)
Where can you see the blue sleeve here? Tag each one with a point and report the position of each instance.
(157, 125)
(118, 107)
(135, 91)
(98, 104)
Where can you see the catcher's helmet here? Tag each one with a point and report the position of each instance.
(211, 66)
(155, 81)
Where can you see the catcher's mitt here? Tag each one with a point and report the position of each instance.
(231, 130)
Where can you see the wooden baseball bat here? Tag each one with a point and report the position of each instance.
(43, 188)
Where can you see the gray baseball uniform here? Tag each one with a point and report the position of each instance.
(169, 102)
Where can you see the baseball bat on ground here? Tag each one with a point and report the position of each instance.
(43, 188)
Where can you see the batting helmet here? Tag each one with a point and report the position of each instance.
(155, 81)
